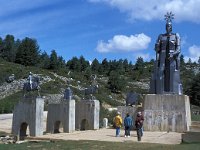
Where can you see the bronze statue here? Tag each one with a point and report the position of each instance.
(32, 84)
(166, 76)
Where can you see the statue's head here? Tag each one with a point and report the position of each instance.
(168, 27)
(30, 73)
(168, 17)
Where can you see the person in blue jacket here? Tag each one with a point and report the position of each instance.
(128, 123)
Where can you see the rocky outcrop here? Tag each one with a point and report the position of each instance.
(7, 89)
(141, 84)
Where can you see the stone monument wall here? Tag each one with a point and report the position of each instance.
(28, 113)
(87, 115)
(61, 114)
(132, 110)
(167, 113)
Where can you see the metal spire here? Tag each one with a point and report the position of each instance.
(169, 16)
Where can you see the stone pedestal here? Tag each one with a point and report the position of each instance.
(61, 114)
(105, 122)
(87, 115)
(28, 113)
(167, 113)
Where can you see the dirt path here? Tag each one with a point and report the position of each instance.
(109, 135)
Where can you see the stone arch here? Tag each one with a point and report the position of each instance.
(58, 127)
(84, 125)
(23, 129)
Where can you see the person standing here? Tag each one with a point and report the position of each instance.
(128, 123)
(139, 125)
(118, 123)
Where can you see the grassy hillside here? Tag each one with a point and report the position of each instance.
(57, 85)
(77, 81)
(20, 71)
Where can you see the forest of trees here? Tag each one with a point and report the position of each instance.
(27, 52)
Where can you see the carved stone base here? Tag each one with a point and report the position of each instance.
(167, 113)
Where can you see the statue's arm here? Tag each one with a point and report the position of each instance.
(178, 46)
(158, 43)
(157, 47)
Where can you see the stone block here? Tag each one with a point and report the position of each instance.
(132, 110)
(62, 114)
(28, 113)
(87, 115)
(167, 112)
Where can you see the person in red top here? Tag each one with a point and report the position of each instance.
(139, 125)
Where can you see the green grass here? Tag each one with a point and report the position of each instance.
(195, 117)
(52, 87)
(7, 104)
(96, 145)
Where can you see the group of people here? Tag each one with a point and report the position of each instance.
(128, 124)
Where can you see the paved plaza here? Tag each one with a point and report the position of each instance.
(99, 135)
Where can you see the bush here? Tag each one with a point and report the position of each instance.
(7, 104)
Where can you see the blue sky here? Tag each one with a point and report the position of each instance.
(111, 29)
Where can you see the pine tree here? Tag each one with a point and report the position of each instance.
(28, 52)
(105, 66)
(74, 64)
(182, 61)
(193, 90)
(116, 82)
(53, 60)
(139, 65)
(84, 64)
(95, 65)
(8, 48)
(1, 47)
(44, 61)
(61, 62)
(125, 65)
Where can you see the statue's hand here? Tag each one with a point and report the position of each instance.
(171, 55)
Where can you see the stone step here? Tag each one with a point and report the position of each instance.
(195, 123)
(195, 126)
(190, 137)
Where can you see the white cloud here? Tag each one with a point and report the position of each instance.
(194, 53)
(124, 43)
(185, 10)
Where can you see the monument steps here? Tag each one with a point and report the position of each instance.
(193, 135)
(195, 126)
